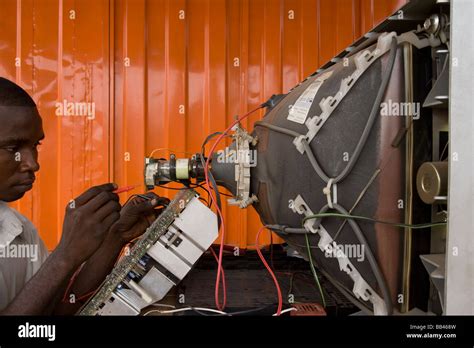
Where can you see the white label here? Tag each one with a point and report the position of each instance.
(299, 111)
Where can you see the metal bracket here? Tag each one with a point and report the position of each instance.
(150, 171)
(363, 60)
(413, 39)
(361, 289)
(435, 265)
(244, 162)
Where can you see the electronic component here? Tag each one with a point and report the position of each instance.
(159, 260)
(432, 182)
(161, 171)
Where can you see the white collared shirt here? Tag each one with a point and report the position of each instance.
(22, 252)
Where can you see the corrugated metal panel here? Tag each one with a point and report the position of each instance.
(162, 74)
(60, 58)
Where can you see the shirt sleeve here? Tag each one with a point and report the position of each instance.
(41, 253)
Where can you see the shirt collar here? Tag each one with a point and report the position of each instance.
(10, 225)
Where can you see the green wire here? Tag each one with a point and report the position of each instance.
(356, 217)
(313, 270)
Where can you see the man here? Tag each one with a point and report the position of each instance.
(95, 228)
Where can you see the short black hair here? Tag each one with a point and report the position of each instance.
(13, 95)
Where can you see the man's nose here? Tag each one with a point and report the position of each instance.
(29, 161)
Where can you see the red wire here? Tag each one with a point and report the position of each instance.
(86, 296)
(213, 200)
(224, 289)
(71, 281)
(275, 280)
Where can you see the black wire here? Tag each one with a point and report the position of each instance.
(211, 177)
(184, 188)
(252, 310)
(208, 138)
(309, 279)
(128, 200)
(204, 188)
(172, 188)
(131, 197)
(204, 200)
(218, 196)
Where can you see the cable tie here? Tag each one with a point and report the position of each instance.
(327, 193)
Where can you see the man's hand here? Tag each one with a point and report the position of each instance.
(87, 222)
(136, 216)
(132, 222)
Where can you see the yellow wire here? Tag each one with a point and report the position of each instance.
(171, 150)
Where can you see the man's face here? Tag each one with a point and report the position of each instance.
(21, 131)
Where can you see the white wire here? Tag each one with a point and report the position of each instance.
(163, 305)
(184, 310)
(202, 310)
(286, 311)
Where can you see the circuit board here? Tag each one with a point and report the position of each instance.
(139, 249)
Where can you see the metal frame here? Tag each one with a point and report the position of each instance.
(459, 285)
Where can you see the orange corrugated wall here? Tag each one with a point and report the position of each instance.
(162, 74)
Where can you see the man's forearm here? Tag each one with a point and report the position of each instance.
(43, 287)
(91, 276)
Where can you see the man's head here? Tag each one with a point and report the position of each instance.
(21, 131)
